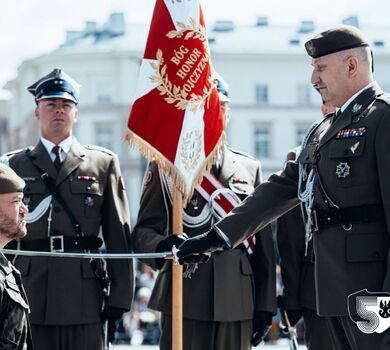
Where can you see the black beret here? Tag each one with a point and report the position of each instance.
(56, 84)
(335, 39)
(9, 181)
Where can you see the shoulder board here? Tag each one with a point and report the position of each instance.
(385, 98)
(242, 153)
(99, 148)
(7, 156)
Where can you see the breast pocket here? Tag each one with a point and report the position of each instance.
(34, 192)
(89, 197)
(344, 156)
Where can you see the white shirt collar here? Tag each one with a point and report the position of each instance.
(346, 104)
(64, 144)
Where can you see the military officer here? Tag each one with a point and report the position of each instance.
(73, 192)
(14, 325)
(229, 301)
(342, 178)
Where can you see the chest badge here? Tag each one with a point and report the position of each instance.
(354, 147)
(26, 200)
(356, 108)
(342, 170)
(88, 202)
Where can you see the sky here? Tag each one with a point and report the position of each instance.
(29, 28)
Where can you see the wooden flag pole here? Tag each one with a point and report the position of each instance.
(177, 275)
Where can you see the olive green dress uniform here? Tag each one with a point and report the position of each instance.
(15, 332)
(347, 258)
(225, 291)
(65, 292)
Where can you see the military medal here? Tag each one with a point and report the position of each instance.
(342, 170)
(86, 178)
(348, 133)
(88, 202)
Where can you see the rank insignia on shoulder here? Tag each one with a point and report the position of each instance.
(348, 133)
(356, 108)
(342, 170)
(86, 178)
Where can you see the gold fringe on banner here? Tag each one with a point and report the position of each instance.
(169, 168)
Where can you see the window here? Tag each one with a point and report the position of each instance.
(300, 132)
(261, 94)
(104, 135)
(304, 92)
(262, 137)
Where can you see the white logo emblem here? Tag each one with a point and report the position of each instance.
(373, 308)
(342, 170)
(356, 108)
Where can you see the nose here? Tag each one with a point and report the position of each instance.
(314, 77)
(23, 208)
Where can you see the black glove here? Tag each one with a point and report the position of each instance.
(207, 242)
(294, 315)
(262, 321)
(112, 315)
(166, 246)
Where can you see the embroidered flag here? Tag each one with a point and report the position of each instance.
(176, 118)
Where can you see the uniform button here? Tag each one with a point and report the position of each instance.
(88, 188)
(57, 209)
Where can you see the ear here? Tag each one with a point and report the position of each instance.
(76, 115)
(36, 113)
(353, 64)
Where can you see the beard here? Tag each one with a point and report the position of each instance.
(11, 229)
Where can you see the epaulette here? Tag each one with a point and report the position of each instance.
(99, 148)
(385, 98)
(242, 153)
(4, 159)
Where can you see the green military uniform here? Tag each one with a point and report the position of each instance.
(14, 325)
(66, 292)
(222, 295)
(351, 247)
(297, 269)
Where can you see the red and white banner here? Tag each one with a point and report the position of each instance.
(176, 118)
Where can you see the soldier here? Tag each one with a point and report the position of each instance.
(229, 301)
(73, 192)
(14, 325)
(297, 269)
(342, 178)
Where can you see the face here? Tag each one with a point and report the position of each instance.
(330, 77)
(12, 213)
(56, 118)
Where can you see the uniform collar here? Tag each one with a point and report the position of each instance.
(64, 144)
(346, 104)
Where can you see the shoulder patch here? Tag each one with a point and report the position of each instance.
(385, 98)
(99, 148)
(242, 153)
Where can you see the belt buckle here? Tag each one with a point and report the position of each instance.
(56, 241)
(314, 221)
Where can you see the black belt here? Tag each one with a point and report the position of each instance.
(322, 219)
(61, 244)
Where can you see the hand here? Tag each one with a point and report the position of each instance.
(112, 315)
(166, 246)
(262, 321)
(207, 242)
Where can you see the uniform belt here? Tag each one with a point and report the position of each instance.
(322, 219)
(61, 244)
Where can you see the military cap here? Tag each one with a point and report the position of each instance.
(222, 87)
(335, 39)
(56, 84)
(9, 180)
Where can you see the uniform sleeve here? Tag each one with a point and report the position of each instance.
(264, 265)
(291, 245)
(116, 234)
(270, 200)
(152, 223)
(382, 146)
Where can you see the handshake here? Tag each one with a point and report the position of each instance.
(191, 250)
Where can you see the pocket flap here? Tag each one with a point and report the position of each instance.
(85, 187)
(367, 247)
(35, 187)
(347, 148)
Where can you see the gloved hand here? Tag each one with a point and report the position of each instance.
(166, 246)
(262, 321)
(207, 242)
(294, 315)
(112, 315)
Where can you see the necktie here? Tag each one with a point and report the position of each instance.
(58, 160)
